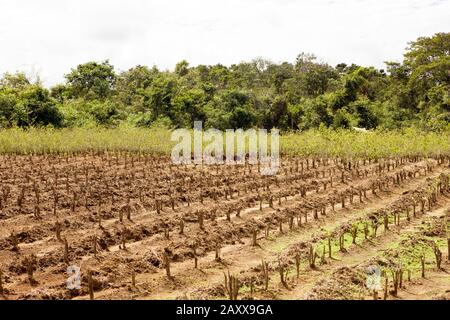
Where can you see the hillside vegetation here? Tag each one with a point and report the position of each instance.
(300, 95)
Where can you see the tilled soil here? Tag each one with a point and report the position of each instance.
(136, 226)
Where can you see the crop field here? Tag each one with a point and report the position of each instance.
(241, 158)
(112, 222)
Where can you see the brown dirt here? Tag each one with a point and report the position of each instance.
(109, 187)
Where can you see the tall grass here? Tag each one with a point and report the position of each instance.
(324, 142)
(48, 140)
(349, 143)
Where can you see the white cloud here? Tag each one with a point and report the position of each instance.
(51, 36)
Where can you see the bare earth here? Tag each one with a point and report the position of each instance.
(130, 215)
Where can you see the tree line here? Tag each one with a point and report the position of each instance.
(290, 96)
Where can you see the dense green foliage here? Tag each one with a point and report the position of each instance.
(301, 95)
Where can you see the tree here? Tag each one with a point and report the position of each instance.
(315, 112)
(92, 80)
(131, 84)
(343, 119)
(182, 68)
(242, 117)
(158, 96)
(217, 117)
(435, 110)
(362, 111)
(17, 81)
(24, 103)
(188, 106)
(276, 114)
(304, 94)
(310, 79)
(60, 92)
(279, 74)
(37, 108)
(428, 60)
(426, 50)
(232, 109)
(8, 103)
(219, 76)
(294, 115)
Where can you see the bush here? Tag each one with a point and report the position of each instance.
(36, 108)
(314, 113)
(8, 102)
(87, 113)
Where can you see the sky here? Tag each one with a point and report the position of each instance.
(47, 38)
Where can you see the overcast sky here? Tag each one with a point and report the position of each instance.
(49, 37)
